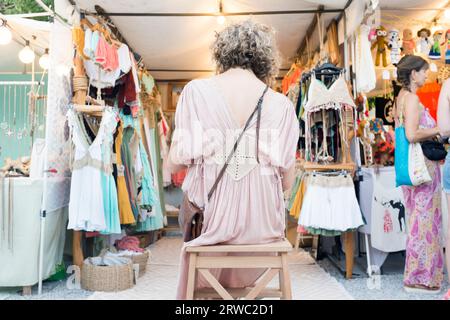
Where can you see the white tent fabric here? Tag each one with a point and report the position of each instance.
(184, 42)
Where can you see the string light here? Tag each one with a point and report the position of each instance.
(44, 60)
(26, 55)
(5, 33)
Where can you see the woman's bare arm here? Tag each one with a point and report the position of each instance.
(288, 178)
(443, 113)
(412, 117)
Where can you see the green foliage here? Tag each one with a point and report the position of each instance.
(24, 6)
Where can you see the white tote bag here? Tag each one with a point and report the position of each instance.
(417, 167)
(388, 222)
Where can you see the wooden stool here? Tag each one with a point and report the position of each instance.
(273, 264)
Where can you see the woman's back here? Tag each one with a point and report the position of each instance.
(241, 91)
(247, 207)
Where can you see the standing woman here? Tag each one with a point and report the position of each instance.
(443, 117)
(424, 255)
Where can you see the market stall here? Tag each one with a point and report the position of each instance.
(25, 100)
(97, 125)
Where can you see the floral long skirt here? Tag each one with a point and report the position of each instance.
(424, 253)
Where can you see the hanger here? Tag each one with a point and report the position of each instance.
(330, 173)
(85, 22)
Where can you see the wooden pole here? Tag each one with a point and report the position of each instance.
(80, 99)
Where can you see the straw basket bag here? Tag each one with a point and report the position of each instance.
(107, 278)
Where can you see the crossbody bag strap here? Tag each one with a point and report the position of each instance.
(256, 110)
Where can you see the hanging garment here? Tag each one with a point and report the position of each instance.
(330, 204)
(299, 198)
(38, 159)
(424, 255)
(156, 221)
(101, 52)
(163, 134)
(149, 198)
(333, 43)
(294, 190)
(366, 79)
(125, 211)
(98, 77)
(127, 92)
(291, 78)
(110, 199)
(429, 97)
(388, 220)
(86, 207)
(384, 109)
(124, 58)
(129, 147)
(78, 38)
(249, 210)
(444, 74)
(320, 97)
(112, 58)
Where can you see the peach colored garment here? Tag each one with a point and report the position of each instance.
(246, 211)
(101, 52)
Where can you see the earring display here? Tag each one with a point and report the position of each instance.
(4, 124)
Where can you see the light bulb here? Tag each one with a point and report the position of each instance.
(44, 60)
(447, 14)
(5, 34)
(433, 67)
(220, 19)
(26, 55)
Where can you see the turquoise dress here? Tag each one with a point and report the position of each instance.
(110, 202)
(149, 197)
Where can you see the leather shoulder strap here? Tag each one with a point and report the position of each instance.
(222, 171)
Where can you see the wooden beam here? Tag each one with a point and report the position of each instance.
(212, 14)
(309, 31)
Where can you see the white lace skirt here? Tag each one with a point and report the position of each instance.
(330, 204)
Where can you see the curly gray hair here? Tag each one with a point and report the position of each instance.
(247, 45)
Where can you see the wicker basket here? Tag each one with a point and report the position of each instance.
(107, 278)
(141, 260)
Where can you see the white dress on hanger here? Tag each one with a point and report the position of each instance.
(366, 79)
(86, 206)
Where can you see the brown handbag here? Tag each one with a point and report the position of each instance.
(190, 216)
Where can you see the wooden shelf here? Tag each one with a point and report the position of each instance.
(312, 166)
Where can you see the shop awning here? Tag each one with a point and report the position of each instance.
(175, 43)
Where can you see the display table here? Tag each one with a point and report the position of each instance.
(20, 231)
(383, 209)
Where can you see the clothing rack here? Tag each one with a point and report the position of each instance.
(327, 73)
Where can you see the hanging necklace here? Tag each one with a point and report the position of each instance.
(15, 106)
(8, 131)
(25, 111)
(4, 124)
(20, 131)
(44, 114)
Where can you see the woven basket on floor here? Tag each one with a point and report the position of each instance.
(141, 260)
(107, 278)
